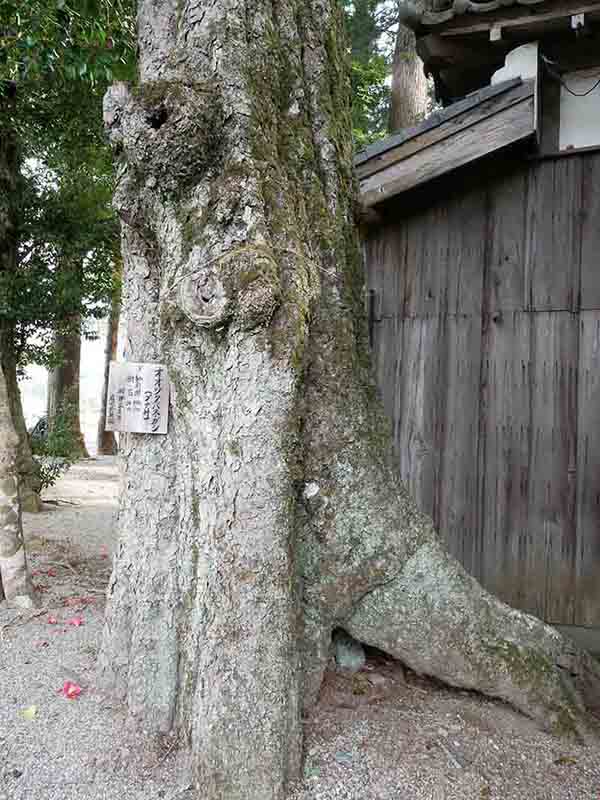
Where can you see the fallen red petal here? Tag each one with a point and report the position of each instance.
(75, 621)
(71, 690)
(77, 601)
(52, 621)
(51, 573)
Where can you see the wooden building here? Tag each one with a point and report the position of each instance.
(482, 246)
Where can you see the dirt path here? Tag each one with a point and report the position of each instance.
(380, 735)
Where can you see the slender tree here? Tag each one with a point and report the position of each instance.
(11, 191)
(270, 514)
(15, 585)
(410, 97)
(106, 440)
(14, 581)
(63, 386)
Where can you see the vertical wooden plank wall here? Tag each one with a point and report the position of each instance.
(456, 488)
(503, 466)
(587, 583)
(488, 357)
(587, 572)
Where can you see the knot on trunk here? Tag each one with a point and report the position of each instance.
(242, 285)
(203, 299)
(168, 130)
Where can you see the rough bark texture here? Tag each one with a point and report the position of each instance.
(63, 386)
(15, 585)
(29, 478)
(28, 469)
(270, 514)
(409, 100)
(107, 443)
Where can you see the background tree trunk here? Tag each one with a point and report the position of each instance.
(270, 514)
(15, 585)
(14, 581)
(10, 202)
(107, 443)
(410, 98)
(27, 467)
(63, 385)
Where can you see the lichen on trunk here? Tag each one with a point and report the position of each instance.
(28, 469)
(270, 514)
(15, 584)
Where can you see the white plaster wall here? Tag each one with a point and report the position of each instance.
(580, 116)
(522, 62)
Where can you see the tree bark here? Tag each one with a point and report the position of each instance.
(271, 514)
(15, 584)
(107, 443)
(10, 201)
(63, 385)
(29, 472)
(409, 98)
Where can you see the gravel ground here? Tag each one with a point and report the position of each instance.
(384, 734)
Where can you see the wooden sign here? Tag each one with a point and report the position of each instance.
(138, 398)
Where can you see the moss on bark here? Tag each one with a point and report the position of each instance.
(269, 515)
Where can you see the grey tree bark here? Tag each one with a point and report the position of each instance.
(63, 385)
(29, 472)
(271, 514)
(107, 443)
(15, 584)
(10, 196)
(409, 96)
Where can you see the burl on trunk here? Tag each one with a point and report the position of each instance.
(270, 514)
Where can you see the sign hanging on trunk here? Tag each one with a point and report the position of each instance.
(138, 398)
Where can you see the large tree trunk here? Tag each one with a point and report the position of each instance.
(107, 443)
(409, 99)
(270, 514)
(63, 386)
(10, 202)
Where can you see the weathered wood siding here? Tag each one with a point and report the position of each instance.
(487, 345)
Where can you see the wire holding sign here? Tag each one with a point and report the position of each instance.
(138, 398)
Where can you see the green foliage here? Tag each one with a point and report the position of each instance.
(68, 256)
(57, 58)
(367, 22)
(67, 39)
(361, 23)
(370, 100)
(50, 469)
(59, 449)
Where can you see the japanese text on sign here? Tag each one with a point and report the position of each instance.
(138, 398)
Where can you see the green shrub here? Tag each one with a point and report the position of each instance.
(56, 450)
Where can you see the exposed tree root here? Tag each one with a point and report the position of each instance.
(438, 620)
